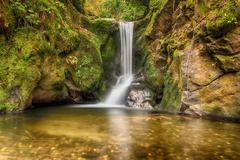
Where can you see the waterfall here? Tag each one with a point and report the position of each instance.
(126, 34)
(118, 92)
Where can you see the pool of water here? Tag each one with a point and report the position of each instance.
(114, 133)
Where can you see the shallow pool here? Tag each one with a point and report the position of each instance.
(114, 133)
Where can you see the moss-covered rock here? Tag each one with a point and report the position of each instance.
(155, 67)
(229, 63)
(78, 4)
(51, 87)
(223, 17)
(109, 55)
(17, 81)
(172, 91)
(226, 50)
(108, 25)
(149, 52)
(7, 21)
(19, 68)
(51, 51)
(84, 65)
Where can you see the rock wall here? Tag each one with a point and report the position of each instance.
(191, 53)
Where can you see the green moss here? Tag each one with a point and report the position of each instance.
(6, 16)
(28, 41)
(32, 12)
(171, 100)
(85, 63)
(79, 4)
(19, 71)
(202, 7)
(118, 9)
(152, 60)
(223, 19)
(172, 92)
(7, 107)
(53, 72)
(17, 80)
(43, 34)
(3, 95)
(176, 54)
(106, 25)
(142, 47)
(109, 53)
(156, 7)
(52, 18)
(109, 50)
(154, 76)
(68, 37)
(229, 63)
(214, 109)
(131, 10)
(191, 3)
(86, 69)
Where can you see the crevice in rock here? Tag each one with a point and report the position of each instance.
(205, 85)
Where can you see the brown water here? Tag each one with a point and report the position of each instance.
(74, 133)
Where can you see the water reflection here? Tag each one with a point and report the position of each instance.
(50, 133)
(119, 133)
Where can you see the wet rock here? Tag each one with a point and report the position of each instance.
(139, 96)
(193, 111)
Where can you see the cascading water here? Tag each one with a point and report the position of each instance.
(118, 93)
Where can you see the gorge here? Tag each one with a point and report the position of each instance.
(66, 52)
(119, 79)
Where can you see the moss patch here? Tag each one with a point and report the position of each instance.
(85, 63)
(172, 92)
(223, 18)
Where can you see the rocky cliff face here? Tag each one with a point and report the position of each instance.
(192, 56)
(63, 50)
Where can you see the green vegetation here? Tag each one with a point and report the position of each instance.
(172, 92)
(117, 9)
(122, 9)
(41, 35)
(153, 75)
(223, 18)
